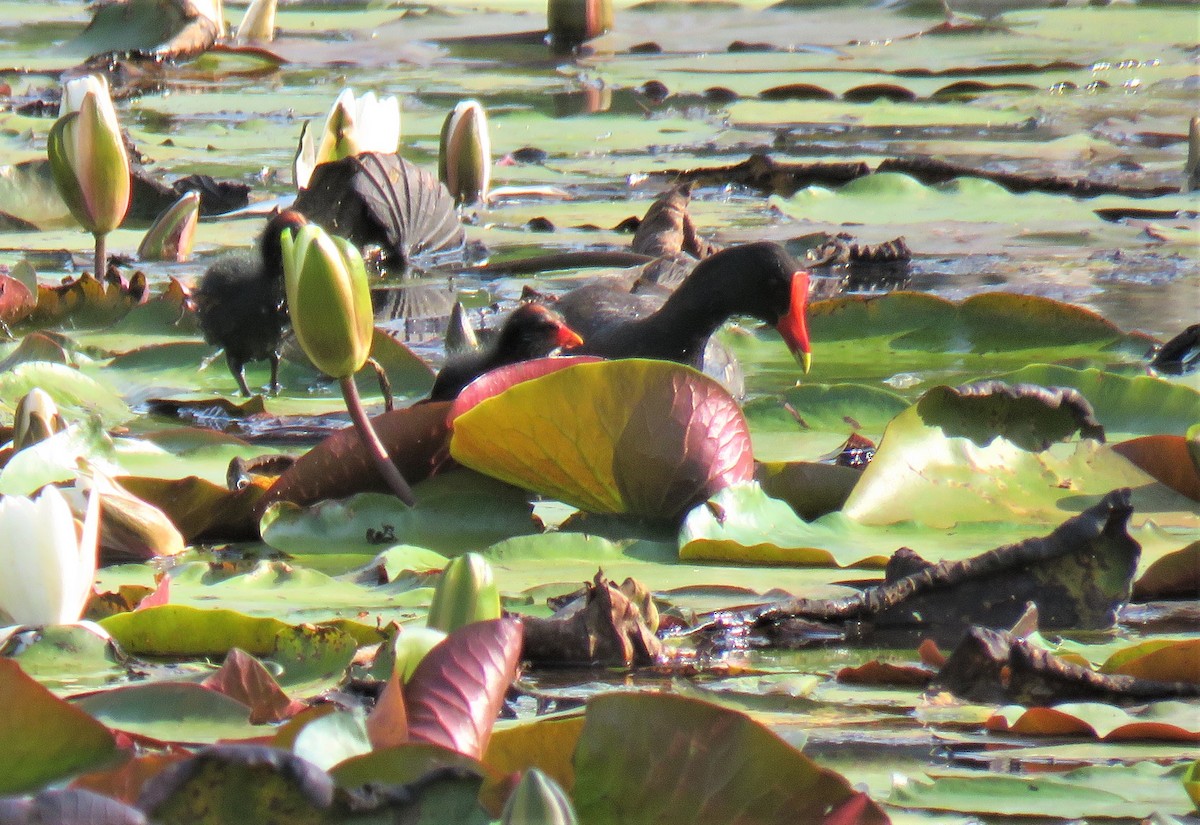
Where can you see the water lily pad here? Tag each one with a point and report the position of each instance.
(641, 437)
(920, 473)
(1175, 721)
(365, 523)
(171, 712)
(49, 739)
(1160, 659)
(399, 765)
(722, 766)
(76, 394)
(1130, 405)
(1131, 791)
(179, 630)
(333, 738)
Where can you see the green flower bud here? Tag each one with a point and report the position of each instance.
(174, 231)
(538, 800)
(572, 22)
(37, 418)
(465, 593)
(465, 153)
(329, 299)
(88, 159)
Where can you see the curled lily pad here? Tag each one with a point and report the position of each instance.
(1170, 721)
(458, 688)
(648, 438)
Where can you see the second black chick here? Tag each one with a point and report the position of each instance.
(241, 302)
(531, 331)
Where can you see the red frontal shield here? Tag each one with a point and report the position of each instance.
(793, 326)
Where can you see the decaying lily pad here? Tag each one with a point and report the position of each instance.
(994, 666)
(1078, 576)
(1030, 416)
(604, 627)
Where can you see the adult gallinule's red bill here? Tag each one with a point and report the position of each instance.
(240, 301)
(758, 279)
(531, 331)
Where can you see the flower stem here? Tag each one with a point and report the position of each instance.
(99, 268)
(375, 447)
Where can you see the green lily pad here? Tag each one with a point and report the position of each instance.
(76, 395)
(172, 712)
(69, 658)
(441, 521)
(920, 473)
(1127, 405)
(178, 630)
(1171, 721)
(1133, 791)
(333, 738)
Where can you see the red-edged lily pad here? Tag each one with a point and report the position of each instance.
(648, 438)
(686, 760)
(340, 466)
(1163, 721)
(45, 738)
(497, 381)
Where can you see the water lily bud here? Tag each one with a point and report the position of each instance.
(465, 154)
(572, 22)
(329, 300)
(88, 158)
(131, 529)
(538, 800)
(460, 335)
(37, 418)
(465, 593)
(47, 567)
(173, 233)
(258, 24)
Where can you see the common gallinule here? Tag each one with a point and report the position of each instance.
(758, 279)
(240, 301)
(531, 331)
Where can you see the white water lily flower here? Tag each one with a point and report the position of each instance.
(214, 10)
(47, 568)
(75, 89)
(354, 125)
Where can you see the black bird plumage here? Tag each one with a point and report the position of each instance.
(753, 279)
(241, 303)
(531, 331)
